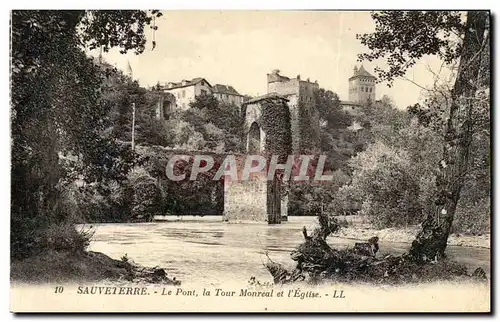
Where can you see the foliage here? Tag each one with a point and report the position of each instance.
(384, 183)
(57, 110)
(203, 196)
(117, 28)
(276, 123)
(120, 93)
(312, 199)
(145, 195)
(330, 111)
(304, 132)
(185, 136)
(473, 217)
(406, 36)
(224, 131)
(96, 205)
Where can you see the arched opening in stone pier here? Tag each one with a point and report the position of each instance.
(254, 139)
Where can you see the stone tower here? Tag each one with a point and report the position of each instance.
(362, 86)
(301, 102)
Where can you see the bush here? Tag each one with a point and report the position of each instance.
(384, 184)
(53, 231)
(103, 204)
(145, 195)
(473, 217)
(64, 237)
(313, 198)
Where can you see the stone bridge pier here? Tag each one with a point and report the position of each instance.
(258, 199)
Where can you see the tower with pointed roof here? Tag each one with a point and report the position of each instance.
(362, 86)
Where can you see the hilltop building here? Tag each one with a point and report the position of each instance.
(362, 86)
(186, 91)
(227, 94)
(362, 89)
(301, 101)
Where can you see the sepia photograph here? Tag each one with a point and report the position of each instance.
(250, 161)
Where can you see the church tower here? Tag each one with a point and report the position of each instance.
(362, 86)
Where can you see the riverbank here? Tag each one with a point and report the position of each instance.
(361, 231)
(57, 266)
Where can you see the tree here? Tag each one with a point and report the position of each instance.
(308, 198)
(219, 122)
(333, 126)
(120, 92)
(403, 37)
(384, 182)
(57, 110)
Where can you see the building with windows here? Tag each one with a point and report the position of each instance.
(186, 91)
(362, 87)
(227, 94)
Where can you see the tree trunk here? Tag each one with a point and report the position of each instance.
(430, 242)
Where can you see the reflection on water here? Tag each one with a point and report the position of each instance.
(207, 250)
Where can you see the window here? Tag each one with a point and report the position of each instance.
(362, 89)
(370, 89)
(203, 92)
(183, 93)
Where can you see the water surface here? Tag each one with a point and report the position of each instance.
(208, 251)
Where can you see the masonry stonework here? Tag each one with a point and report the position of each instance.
(245, 200)
(301, 102)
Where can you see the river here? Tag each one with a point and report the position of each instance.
(205, 250)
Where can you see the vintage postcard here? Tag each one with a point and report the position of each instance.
(250, 161)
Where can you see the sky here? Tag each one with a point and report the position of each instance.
(239, 48)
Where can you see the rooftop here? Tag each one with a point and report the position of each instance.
(225, 89)
(361, 72)
(275, 76)
(185, 83)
